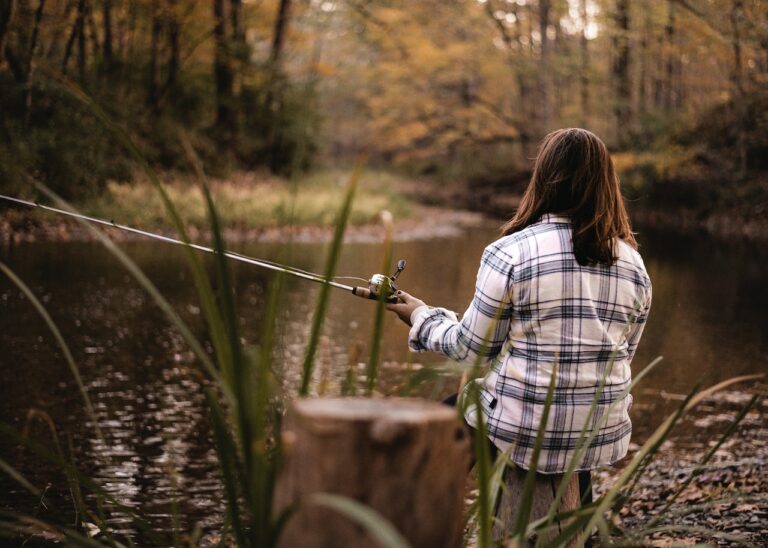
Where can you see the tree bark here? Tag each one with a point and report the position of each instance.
(406, 459)
(74, 35)
(30, 57)
(584, 72)
(174, 52)
(642, 84)
(735, 15)
(106, 20)
(153, 92)
(7, 10)
(236, 17)
(737, 81)
(281, 28)
(621, 79)
(545, 69)
(543, 497)
(669, 80)
(81, 45)
(222, 69)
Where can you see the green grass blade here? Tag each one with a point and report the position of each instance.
(227, 452)
(222, 323)
(483, 465)
(378, 318)
(330, 267)
(267, 403)
(373, 522)
(486, 497)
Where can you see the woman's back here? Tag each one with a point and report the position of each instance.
(588, 320)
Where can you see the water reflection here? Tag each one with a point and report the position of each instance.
(707, 320)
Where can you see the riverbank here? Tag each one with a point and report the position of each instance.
(727, 501)
(253, 207)
(674, 191)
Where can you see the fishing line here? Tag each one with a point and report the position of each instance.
(376, 284)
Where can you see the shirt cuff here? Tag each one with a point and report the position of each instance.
(416, 311)
(419, 317)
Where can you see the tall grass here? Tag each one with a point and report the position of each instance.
(334, 252)
(245, 403)
(378, 321)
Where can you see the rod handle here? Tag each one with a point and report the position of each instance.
(366, 293)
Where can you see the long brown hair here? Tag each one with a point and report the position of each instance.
(574, 176)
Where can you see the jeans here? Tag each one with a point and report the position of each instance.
(585, 477)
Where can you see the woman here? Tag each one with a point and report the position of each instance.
(564, 284)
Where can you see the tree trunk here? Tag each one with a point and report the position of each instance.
(106, 20)
(545, 70)
(81, 45)
(736, 14)
(669, 32)
(222, 70)
(543, 496)
(96, 46)
(281, 28)
(236, 17)
(74, 35)
(642, 84)
(153, 92)
(30, 57)
(584, 72)
(7, 9)
(622, 106)
(406, 459)
(174, 30)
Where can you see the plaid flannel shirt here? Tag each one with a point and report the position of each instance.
(534, 305)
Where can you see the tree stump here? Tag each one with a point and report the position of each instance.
(405, 458)
(543, 496)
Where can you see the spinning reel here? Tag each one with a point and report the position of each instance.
(381, 286)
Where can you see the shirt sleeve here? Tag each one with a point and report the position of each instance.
(484, 327)
(636, 329)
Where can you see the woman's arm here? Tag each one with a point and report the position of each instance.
(484, 327)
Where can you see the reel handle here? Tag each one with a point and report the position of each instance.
(366, 293)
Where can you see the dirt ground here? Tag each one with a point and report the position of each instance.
(426, 222)
(726, 504)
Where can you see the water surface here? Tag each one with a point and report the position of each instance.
(708, 321)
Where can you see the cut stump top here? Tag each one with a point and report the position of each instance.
(368, 409)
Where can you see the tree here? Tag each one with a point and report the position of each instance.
(620, 74)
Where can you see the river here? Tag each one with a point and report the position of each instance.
(708, 321)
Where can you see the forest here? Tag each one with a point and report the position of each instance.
(458, 90)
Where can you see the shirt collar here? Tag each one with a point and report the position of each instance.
(551, 218)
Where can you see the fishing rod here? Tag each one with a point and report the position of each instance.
(376, 285)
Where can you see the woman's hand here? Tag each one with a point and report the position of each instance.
(405, 306)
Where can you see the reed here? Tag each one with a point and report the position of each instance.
(334, 251)
(378, 318)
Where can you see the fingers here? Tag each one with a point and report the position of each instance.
(405, 297)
